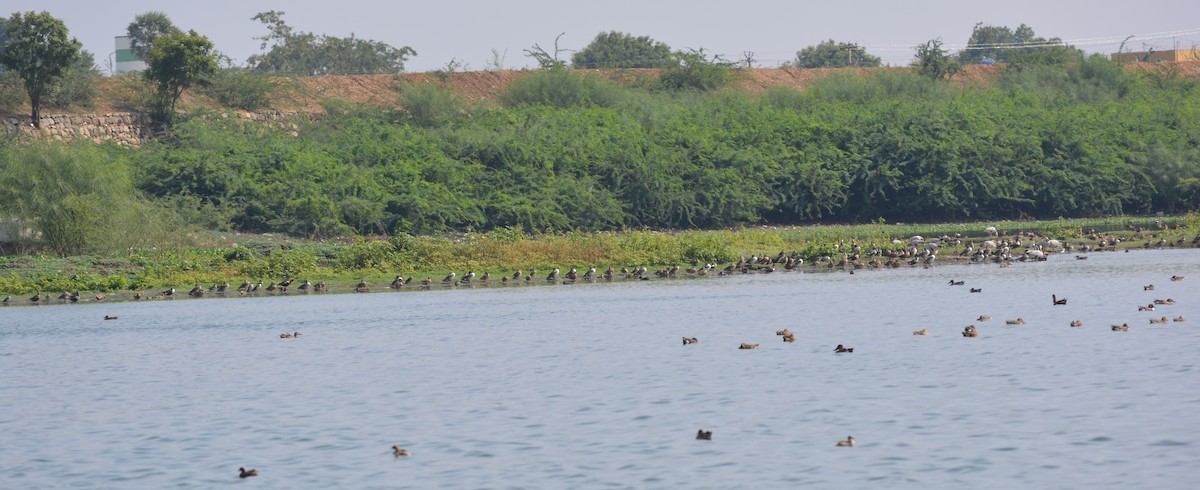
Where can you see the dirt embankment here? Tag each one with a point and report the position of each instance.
(305, 94)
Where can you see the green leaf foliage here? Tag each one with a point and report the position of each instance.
(304, 53)
(567, 152)
(179, 61)
(832, 54)
(620, 50)
(39, 52)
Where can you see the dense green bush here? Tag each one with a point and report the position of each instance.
(240, 88)
(570, 152)
(76, 198)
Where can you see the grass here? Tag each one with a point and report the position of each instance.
(216, 258)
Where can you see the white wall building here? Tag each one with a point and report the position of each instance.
(126, 61)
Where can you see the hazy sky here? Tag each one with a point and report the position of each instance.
(773, 30)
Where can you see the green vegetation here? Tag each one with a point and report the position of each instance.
(145, 29)
(39, 52)
(304, 53)
(341, 264)
(934, 62)
(1022, 46)
(75, 199)
(832, 54)
(178, 61)
(620, 50)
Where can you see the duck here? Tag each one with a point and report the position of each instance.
(691, 340)
(6, 299)
(1148, 287)
(469, 277)
(783, 332)
(1120, 328)
(553, 275)
(449, 278)
(1178, 319)
(245, 473)
(1176, 278)
(976, 290)
(970, 331)
(789, 338)
(306, 286)
(289, 335)
(983, 318)
(101, 296)
(245, 285)
(1080, 257)
(957, 283)
(1076, 323)
(361, 287)
(1158, 320)
(1058, 301)
(842, 348)
(397, 282)
(849, 442)
(286, 282)
(272, 287)
(1149, 307)
(170, 293)
(399, 452)
(223, 287)
(704, 435)
(1018, 321)
(746, 346)
(923, 331)
(1167, 301)
(485, 277)
(110, 317)
(319, 287)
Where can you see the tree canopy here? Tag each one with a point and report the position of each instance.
(144, 29)
(1005, 45)
(620, 50)
(833, 54)
(179, 61)
(305, 53)
(934, 62)
(39, 51)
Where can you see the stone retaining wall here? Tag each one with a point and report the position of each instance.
(125, 128)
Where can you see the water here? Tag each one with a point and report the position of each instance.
(588, 385)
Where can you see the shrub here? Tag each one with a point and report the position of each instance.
(240, 88)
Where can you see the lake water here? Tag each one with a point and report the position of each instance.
(589, 385)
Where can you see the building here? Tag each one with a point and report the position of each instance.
(1153, 56)
(126, 61)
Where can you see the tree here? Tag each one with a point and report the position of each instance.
(39, 52)
(620, 50)
(933, 62)
(832, 54)
(1005, 45)
(145, 29)
(545, 59)
(305, 53)
(179, 61)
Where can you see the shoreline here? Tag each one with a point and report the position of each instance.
(819, 267)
